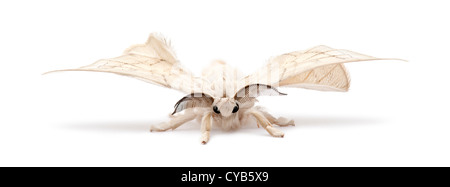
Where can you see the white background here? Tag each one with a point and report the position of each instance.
(396, 113)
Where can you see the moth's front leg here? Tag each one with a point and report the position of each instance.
(175, 121)
(206, 127)
(265, 123)
(281, 121)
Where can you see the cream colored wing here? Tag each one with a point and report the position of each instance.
(153, 62)
(318, 68)
(325, 78)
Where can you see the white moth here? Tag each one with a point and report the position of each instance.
(222, 96)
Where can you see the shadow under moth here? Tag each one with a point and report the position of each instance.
(222, 96)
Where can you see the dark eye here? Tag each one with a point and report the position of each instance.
(216, 110)
(236, 108)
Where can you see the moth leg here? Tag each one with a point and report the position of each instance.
(265, 123)
(281, 121)
(205, 127)
(175, 121)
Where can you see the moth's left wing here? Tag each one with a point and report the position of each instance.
(318, 68)
(153, 62)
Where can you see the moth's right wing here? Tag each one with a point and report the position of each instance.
(152, 62)
(319, 68)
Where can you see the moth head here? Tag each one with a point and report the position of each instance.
(225, 106)
(219, 106)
